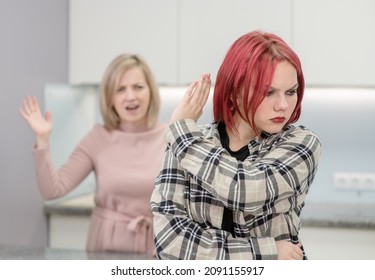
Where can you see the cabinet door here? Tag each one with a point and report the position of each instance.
(336, 41)
(99, 30)
(209, 27)
(68, 231)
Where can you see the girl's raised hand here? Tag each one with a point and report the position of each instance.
(191, 105)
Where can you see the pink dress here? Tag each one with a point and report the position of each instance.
(125, 166)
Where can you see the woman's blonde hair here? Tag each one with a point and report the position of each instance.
(110, 81)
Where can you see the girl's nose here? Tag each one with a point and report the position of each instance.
(281, 103)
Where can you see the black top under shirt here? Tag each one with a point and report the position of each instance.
(240, 155)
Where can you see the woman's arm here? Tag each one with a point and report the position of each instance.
(55, 183)
(286, 171)
(51, 182)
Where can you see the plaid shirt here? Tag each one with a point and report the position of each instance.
(266, 193)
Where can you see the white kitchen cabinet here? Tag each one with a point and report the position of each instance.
(336, 40)
(99, 30)
(180, 39)
(208, 28)
(69, 221)
(183, 38)
(68, 231)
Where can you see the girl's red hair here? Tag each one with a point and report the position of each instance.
(250, 63)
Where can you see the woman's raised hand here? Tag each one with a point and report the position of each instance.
(42, 126)
(191, 105)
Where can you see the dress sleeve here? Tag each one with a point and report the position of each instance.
(178, 236)
(266, 183)
(55, 183)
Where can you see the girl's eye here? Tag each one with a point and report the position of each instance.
(139, 87)
(269, 93)
(292, 92)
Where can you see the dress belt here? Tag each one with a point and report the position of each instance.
(135, 224)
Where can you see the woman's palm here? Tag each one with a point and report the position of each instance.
(31, 113)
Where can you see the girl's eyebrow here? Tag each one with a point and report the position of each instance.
(293, 87)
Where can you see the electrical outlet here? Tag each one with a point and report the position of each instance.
(354, 181)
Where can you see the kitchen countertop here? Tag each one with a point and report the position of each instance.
(341, 215)
(40, 253)
(314, 214)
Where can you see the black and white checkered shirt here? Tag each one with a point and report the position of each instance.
(265, 192)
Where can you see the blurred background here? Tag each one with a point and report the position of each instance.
(58, 50)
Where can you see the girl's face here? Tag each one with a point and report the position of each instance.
(279, 104)
(131, 100)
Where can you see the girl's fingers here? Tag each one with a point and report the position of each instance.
(194, 96)
(187, 97)
(206, 89)
(200, 91)
(194, 100)
(298, 251)
(191, 88)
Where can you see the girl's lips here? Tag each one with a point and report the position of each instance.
(278, 120)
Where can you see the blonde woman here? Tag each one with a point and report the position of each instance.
(125, 153)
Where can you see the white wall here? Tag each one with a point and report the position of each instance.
(33, 51)
(343, 119)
